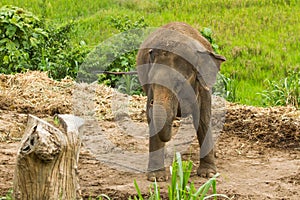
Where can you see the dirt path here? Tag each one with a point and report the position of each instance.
(248, 171)
(258, 150)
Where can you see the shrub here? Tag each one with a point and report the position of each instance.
(124, 51)
(27, 43)
(207, 33)
(20, 37)
(226, 87)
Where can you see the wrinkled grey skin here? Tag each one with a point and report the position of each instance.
(177, 69)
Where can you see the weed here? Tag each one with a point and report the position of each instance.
(226, 87)
(284, 92)
(8, 196)
(207, 33)
(117, 54)
(125, 59)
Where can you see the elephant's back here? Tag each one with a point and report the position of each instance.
(173, 37)
(189, 31)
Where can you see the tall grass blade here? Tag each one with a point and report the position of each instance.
(172, 187)
(180, 170)
(156, 191)
(100, 197)
(138, 190)
(180, 175)
(205, 187)
(214, 188)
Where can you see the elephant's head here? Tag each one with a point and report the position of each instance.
(171, 80)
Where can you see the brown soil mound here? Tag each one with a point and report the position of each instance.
(273, 127)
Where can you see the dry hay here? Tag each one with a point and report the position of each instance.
(12, 125)
(105, 103)
(35, 93)
(30, 93)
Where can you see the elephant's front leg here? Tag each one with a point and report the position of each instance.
(156, 169)
(207, 166)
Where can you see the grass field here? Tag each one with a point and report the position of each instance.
(259, 38)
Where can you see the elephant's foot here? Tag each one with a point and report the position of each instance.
(206, 169)
(158, 175)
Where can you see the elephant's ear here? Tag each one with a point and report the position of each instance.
(219, 59)
(208, 66)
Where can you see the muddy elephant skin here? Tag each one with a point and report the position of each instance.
(177, 69)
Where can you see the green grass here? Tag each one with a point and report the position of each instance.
(259, 38)
(181, 187)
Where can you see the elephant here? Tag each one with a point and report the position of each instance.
(177, 68)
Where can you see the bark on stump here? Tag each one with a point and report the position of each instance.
(47, 160)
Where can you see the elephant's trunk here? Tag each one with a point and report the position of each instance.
(162, 123)
(164, 111)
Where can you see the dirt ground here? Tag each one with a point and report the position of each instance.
(257, 149)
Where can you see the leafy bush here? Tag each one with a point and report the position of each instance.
(181, 188)
(20, 35)
(124, 51)
(27, 43)
(60, 58)
(284, 92)
(207, 33)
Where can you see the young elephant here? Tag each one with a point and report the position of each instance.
(177, 68)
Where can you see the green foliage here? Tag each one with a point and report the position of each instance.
(180, 188)
(284, 92)
(58, 56)
(180, 170)
(226, 87)
(124, 49)
(20, 37)
(208, 34)
(28, 44)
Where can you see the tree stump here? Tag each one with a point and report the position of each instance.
(46, 166)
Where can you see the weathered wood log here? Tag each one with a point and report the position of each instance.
(46, 166)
